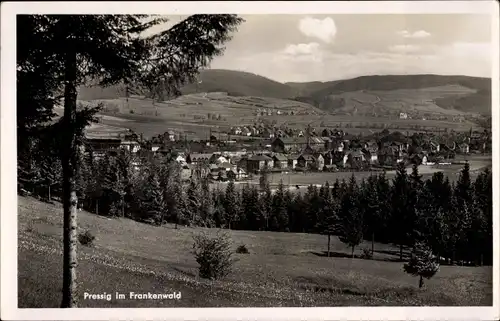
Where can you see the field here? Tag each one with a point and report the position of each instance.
(282, 269)
(189, 114)
(303, 180)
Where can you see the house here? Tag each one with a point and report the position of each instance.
(236, 131)
(292, 161)
(370, 154)
(403, 116)
(246, 132)
(219, 159)
(338, 145)
(171, 135)
(280, 161)
(226, 166)
(258, 162)
(131, 146)
(387, 156)
(319, 161)
(464, 148)
(180, 159)
(236, 174)
(434, 147)
(282, 145)
(328, 158)
(353, 158)
(306, 161)
(186, 172)
(196, 158)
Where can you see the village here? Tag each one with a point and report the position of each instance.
(237, 157)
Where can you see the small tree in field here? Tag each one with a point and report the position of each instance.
(214, 255)
(422, 263)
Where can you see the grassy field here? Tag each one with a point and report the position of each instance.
(282, 269)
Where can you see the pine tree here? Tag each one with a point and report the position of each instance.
(422, 263)
(328, 219)
(312, 204)
(402, 220)
(193, 199)
(372, 209)
(251, 208)
(51, 172)
(463, 188)
(232, 205)
(350, 225)
(265, 201)
(154, 203)
(279, 214)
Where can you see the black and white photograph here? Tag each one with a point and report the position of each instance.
(185, 155)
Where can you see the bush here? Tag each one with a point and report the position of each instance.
(86, 238)
(242, 249)
(213, 254)
(367, 254)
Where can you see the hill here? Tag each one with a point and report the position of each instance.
(440, 94)
(235, 83)
(433, 94)
(282, 269)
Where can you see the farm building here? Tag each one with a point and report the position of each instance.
(198, 158)
(258, 162)
(280, 161)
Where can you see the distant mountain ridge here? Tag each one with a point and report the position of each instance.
(438, 93)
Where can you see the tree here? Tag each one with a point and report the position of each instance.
(279, 217)
(327, 221)
(155, 204)
(193, 199)
(232, 205)
(350, 224)
(109, 50)
(402, 219)
(51, 172)
(463, 188)
(422, 263)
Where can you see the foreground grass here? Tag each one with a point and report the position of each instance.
(282, 269)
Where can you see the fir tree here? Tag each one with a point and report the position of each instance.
(402, 220)
(327, 221)
(279, 215)
(463, 188)
(350, 223)
(194, 203)
(231, 205)
(155, 204)
(422, 263)
(265, 200)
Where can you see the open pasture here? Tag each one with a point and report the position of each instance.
(282, 269)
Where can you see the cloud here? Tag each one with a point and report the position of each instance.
(416, 34)
(324, 30)
(404, 48)
(301, 49)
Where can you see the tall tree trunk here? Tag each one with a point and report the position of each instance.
(421, 282)
(401, 252)
(49, 194)
(328, 252)
(373, 243)
(69, 164)
(352, 252)
(97, 206)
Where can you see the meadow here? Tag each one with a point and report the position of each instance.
(196, 115)
(282, 269)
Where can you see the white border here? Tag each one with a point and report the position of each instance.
(8, 204)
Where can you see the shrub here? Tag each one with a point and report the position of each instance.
(242, 249)
(213, 254)
(86, 238)
(367, 254)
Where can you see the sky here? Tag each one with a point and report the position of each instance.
(301, 48)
